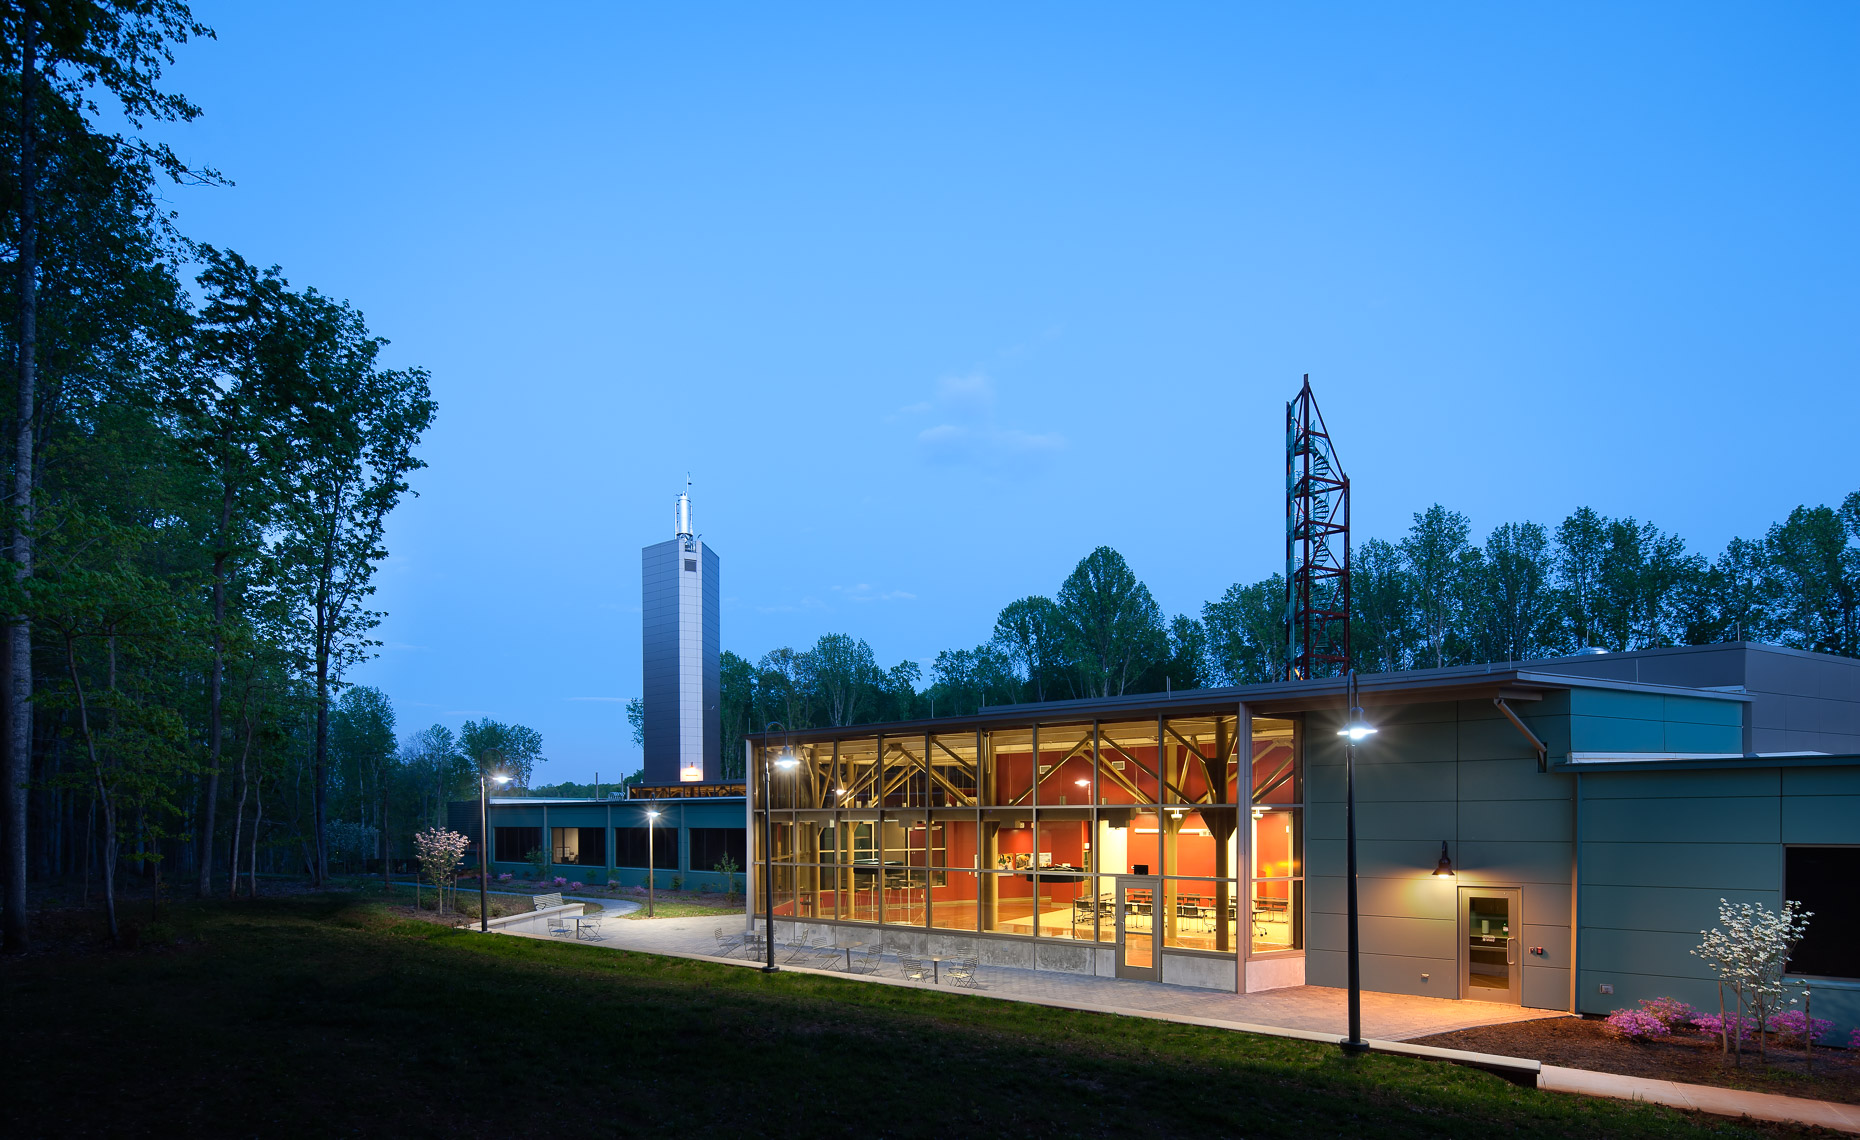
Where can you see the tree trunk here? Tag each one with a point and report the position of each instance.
(319, 871)
(258, 817)
(215, 686)
(16, 767)
(103, 789)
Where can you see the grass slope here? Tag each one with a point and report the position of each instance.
(325, 1014)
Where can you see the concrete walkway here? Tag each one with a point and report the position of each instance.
(1310, 1009)
(1703, 1098)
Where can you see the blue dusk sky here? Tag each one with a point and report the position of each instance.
(929, 303)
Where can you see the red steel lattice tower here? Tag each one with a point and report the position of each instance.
(1317, 545)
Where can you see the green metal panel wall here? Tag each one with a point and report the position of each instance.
(680, 814)
(1607, 720)
(1661, 848)
(1458, 772)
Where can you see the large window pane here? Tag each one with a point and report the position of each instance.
(904, 896)
(1008, 902)
(1276, 778)
(1008, 767)
(1064, 775)
(1127, 763)
(954, 768)
(1199, 914)
(902, 762)
(1198, 762)
(859, 774)
(959, 839)
(955, 900)
(1278, 909)
(1066, 905)
(1276, 847)
(1128, 842)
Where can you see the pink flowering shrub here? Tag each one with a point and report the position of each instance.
(1796, 1025)
(505, 877)
(1634, 1025)
(1853, 1039)
(1710, 1023)
(574, 886)
(1670, 1012)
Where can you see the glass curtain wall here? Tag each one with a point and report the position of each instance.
(1278, 837)
(1023, 830)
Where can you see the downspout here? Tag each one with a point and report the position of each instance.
(1575, 896)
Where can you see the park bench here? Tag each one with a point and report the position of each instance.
(544, 902)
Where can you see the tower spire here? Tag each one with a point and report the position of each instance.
(684, 530)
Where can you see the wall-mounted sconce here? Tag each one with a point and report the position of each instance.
(1444, 869)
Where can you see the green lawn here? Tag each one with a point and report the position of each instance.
(323, 1015)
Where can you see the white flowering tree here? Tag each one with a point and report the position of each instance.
(440, 853)
(1749, 950)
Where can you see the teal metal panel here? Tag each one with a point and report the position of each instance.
(1683, 737)
(1544, 821)
(1404, 896)
(1617, 704)
(1391, 858)
(1406, 937)
(1844, 781)
(1821, 819)
(1647, 952)
(1616, 734)
(1494, 740)
(1681, 910)
(1680, 783)
(1701, 710)
(1722, 866)
(1676, 819)
(1508, 863)
(1547, 904)
(1427, 822)
(1385, 779)
(1515, 779)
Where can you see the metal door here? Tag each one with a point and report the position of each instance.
(1491, 934)
(1138, 955)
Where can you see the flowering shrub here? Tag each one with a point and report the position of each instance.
(560, 881)
(1712, 1024)
(440, 852)
(1634, 1025)
(1853, 1039)
(1795, 1025)
(505, 877)
(1670, 1012)
(574, 886)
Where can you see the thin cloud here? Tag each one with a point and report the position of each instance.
(969, 432)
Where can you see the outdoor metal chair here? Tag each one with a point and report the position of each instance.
(868, 961)
(961, 971)
(727, 943)
(828, 956)
(560, 924)
(588, 929)
(801, 946)
(913, 969)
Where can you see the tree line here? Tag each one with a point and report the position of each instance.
(202, 458)
(1433, 598)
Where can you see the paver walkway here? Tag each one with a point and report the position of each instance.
(1312, 1009)
(1703, 1098)
(1317, 1012)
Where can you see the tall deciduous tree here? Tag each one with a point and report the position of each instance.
(1031, 633)
(495, 748)
(60, 52)
(1815, 574)
(362, 737)
(1382, 596)
(1114, 629)
(1581, 542)
(1440, 562)
(1517, 601)
(846, 673)
(357, 426)
(1246, 632)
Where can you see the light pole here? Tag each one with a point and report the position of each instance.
(652, 817)
(786, 763)
(484, 848)
(1354, 729)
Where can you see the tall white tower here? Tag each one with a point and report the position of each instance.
(679, 603)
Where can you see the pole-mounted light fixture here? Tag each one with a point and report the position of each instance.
(1355, 729)
(1444, 869)
(484, 846)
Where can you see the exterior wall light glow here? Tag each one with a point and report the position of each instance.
(787, 761)
(1444, 870)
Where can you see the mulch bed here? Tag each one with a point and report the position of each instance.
(1580, 1043)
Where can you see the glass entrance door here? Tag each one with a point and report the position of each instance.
(1136, 927)
(1490, 930)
